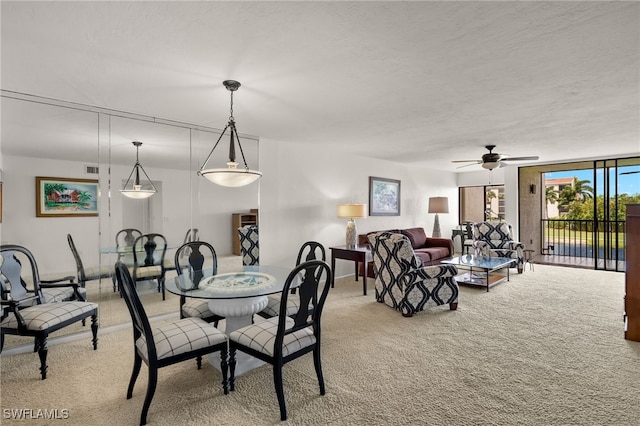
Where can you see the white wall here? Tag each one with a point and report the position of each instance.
(303, 185)
(202, 205)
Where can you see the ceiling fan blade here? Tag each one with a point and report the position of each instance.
(467, 161)
(534, 157)
(467, 165)
(630, 173)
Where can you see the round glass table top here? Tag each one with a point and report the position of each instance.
(255, 280)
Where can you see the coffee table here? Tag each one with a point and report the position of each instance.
(485, 267)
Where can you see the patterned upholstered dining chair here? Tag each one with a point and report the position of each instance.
(496, 239)
(24, 309)
(403, 283)
(168, 343)
(249, 244)
(284, 338)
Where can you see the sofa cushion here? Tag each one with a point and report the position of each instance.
(416, 236)
(434, 253)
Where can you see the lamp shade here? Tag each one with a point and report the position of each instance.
(438, 205)
(352, 210)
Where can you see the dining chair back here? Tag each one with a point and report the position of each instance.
(25, 309)
(168, 343)
(148, 259)
(284, 338)
(125, 238)
(310, 250)
(193, 258)
(191, 235)
(88, 274)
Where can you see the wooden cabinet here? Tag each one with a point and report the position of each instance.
(632, 275)
(238, 220)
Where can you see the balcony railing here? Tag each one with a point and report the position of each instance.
(579, 238)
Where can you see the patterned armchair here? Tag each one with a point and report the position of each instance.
(401, 280)
(496, 239)
(249, 244)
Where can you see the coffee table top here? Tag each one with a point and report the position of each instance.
(485, 262)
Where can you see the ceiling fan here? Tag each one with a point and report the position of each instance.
(492, 160)
(630, 173)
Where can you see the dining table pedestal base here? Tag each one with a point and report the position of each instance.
(238, 313)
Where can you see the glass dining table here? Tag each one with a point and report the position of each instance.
(237, 296)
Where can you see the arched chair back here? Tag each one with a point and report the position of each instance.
(91, 273)
(191, 235)
(149, 251)
(168, 343)
(249, 244)
(311, 250)
(125, 239)
(284, 338)
(194, 258)
(22, 277)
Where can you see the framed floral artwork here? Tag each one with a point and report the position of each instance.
(384, 197)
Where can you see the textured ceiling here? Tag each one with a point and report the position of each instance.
(417, 82)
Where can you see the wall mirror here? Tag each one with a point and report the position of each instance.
(44, 137)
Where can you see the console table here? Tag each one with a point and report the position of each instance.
(358, 254)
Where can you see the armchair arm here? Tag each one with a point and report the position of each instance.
(59, 283)
(516, 245)
(49, 283)
(14, 307)
(481, 248)
(425, 273)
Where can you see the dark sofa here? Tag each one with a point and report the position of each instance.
(430, 250)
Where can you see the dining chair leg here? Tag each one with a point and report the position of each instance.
(94, 331)
(151, 389)
(318, 365)
(42, 353)
(232, 368)
(137, 363)
(277, 381)
(224, 367)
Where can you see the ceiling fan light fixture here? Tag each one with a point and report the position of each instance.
(134, 189)
(231, 176)
(490, 165)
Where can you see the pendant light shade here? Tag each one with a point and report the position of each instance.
(133, 188)
(231, 176)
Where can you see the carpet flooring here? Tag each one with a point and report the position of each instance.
(545, 348)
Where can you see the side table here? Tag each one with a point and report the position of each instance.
(528, 258)
(358, 254)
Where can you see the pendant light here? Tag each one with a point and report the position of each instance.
(134, 189)
(230, 176)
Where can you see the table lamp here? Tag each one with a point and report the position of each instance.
(438, 205)
(351, 211)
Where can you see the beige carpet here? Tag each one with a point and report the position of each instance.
(546, 348)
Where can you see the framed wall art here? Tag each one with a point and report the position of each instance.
(63, 197)
(384, 197)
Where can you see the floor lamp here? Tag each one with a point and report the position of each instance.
(351, 211)
(438, 205)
